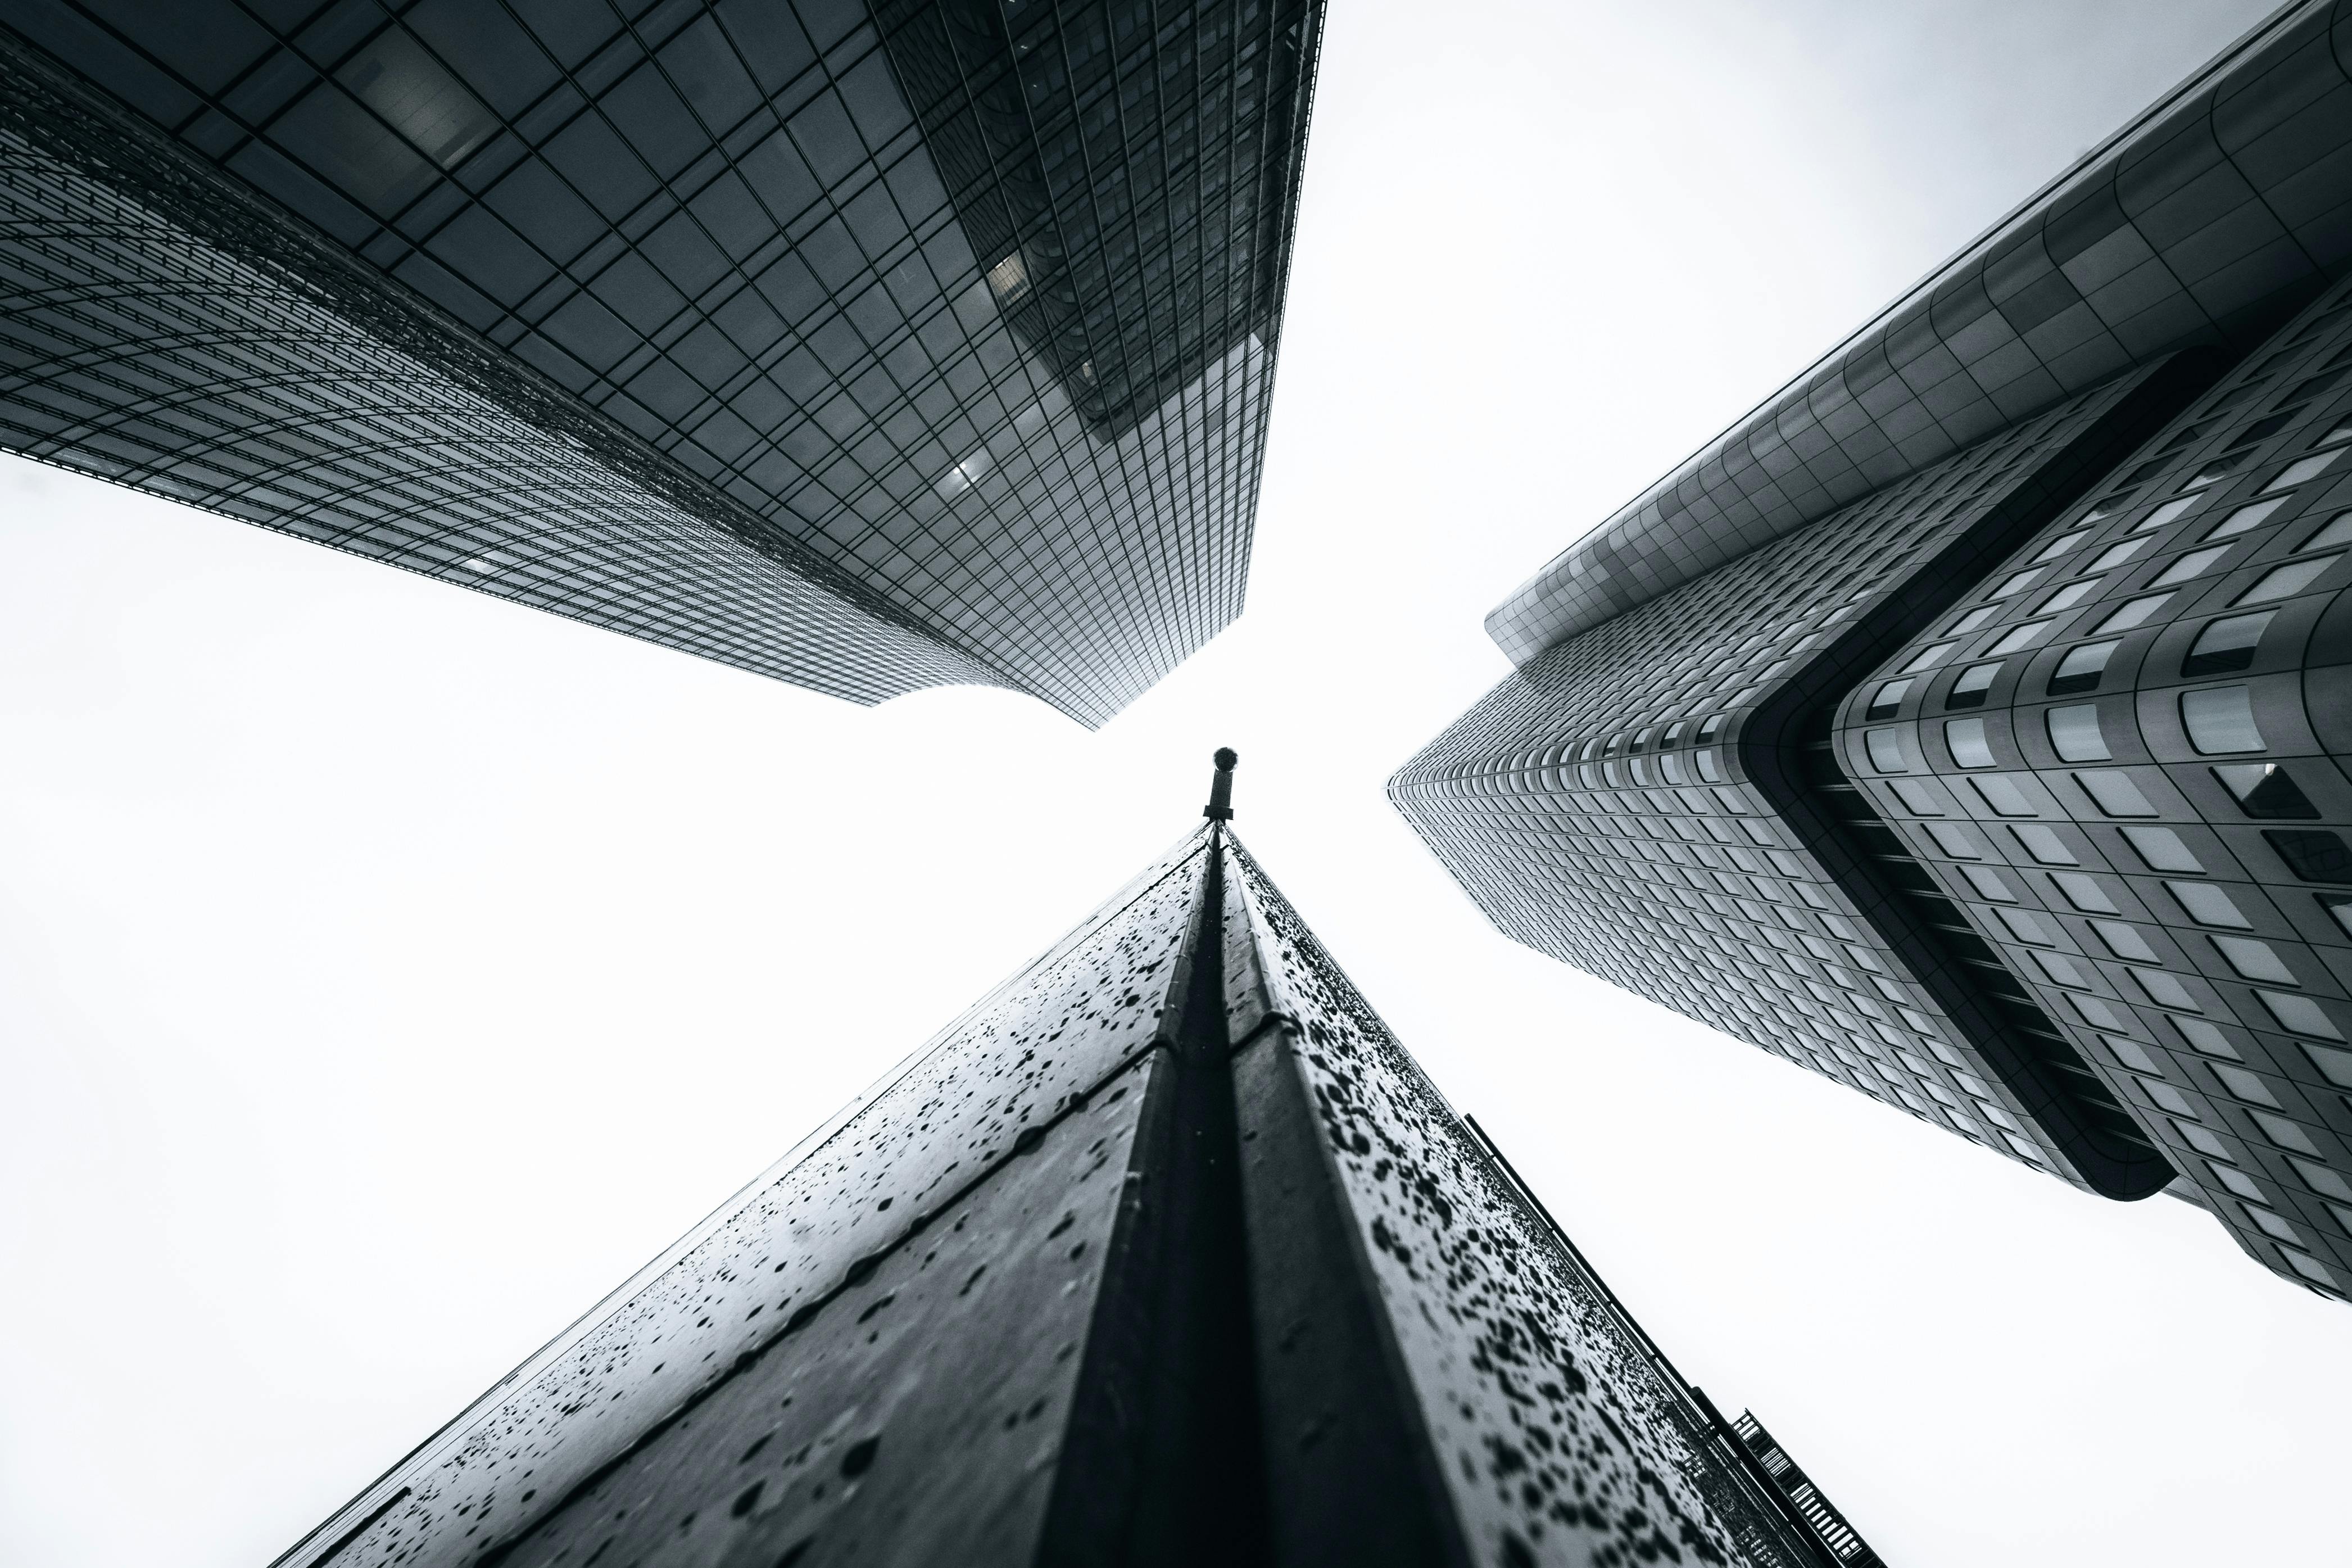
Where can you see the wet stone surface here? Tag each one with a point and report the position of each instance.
(766, 1301)
(880, 1432)
(1553, 1433)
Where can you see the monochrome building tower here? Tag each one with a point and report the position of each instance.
(868, 347)
(1166, 1252)
(1967, 723)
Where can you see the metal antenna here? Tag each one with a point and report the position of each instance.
(1221, 789)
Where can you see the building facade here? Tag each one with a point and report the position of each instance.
(870, 348)
(1723, 775)
(1844, 1543)
(1165, 1252)
(2120, 754)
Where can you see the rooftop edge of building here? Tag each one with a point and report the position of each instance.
(2208, 218)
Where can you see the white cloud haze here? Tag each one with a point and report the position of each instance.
(386, 971)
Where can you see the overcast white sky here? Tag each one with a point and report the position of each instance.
(385, 972)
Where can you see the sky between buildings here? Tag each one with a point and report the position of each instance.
(386, 970)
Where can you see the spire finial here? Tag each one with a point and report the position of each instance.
(1220, 788)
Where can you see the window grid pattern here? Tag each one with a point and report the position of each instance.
(142, 356)
(2143, 805)
(721, 229)
(1596, 807)
(2207, 221)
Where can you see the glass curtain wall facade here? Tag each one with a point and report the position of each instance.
(1875, 783)
(1165, 1251)
(868, 348)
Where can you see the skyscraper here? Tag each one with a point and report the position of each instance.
(1164, 1252)
(871, 348)
(1722, 774)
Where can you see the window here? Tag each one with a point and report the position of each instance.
(2238, 1181)
(2196, 1138)
(2264, 790)
(2335, 1066)
(2074, 734)
(2208, 905)
(2164, 990)
(1988, 884)
(2163, 850)
(2288, 1135)
(1887, 699)
(2314, 856)
(1928, 658)
(2131, 612)
(2062, 971)
(2226, 645)
(2196, 563)
(2113, 791)
(2125, 941)
(2081, 668)
(2083, 893)
(2273, 1226)
(1966, 737)
(2044, 845)
(2017, 583)
(2337, 532)
(1917, 798)
(2169, 512)
(1973, 619)
(2220, 718)
(1955, 841)
(2339, 910)
(2283, 582)
(2067, 597)
(1885, 749)
(2115, 555)
(2318, 1178)
(2265, 429)
(2028, 928)
(2244, 518)
(2300, 1015)
(1969, 689)
(2204, 1037)
(2022, 636)
(2253, 959)
(2227, 463)
(2003, 796)
(2064, 543)
(2300, 469)
(1712, 728)
(1709, 768)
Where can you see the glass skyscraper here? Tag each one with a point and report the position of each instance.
(1964, 723)
(1166, 1252)
(871, 348)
